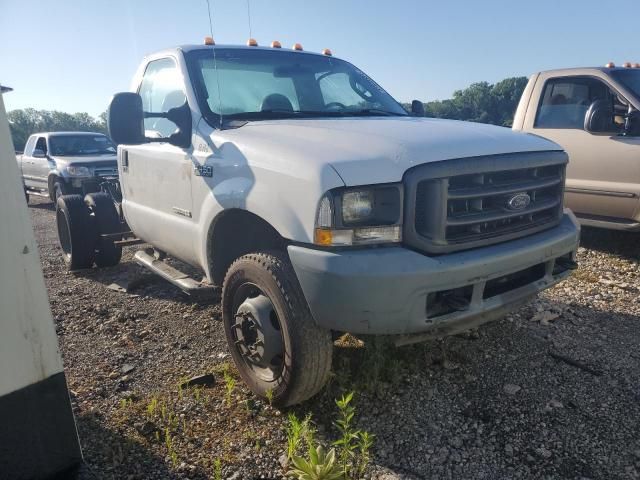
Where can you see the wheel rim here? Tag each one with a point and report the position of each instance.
(257, 333)
(63, 233)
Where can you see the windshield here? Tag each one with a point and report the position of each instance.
(262, 84)
(630, 79)
(71, 145)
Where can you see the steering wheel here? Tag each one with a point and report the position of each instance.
(339, 105)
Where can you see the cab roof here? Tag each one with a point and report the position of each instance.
(193, 47)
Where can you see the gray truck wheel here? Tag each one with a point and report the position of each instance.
(58, 191)
(107, 221)
(273, 339)
(76, 232)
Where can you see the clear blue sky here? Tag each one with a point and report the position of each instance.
(72, 55)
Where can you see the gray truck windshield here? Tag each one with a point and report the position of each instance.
(72, 145)
(247, 84)
(629, 78)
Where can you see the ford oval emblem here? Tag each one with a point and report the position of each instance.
(518, 201)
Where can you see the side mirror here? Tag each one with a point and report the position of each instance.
(599, 118)
(417, 108)
(632, 124)
(37, 153)
(125, 119)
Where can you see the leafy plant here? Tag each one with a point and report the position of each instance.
(269, 396)
(230, 384)
(320, 466)
(152, 406)
(353, 444)
(217, 469)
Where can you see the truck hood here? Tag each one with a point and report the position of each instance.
(87, 160)
(382, 149)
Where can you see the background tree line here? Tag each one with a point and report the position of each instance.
(24, 122)
(480, 102)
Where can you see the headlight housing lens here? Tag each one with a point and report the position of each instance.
(75, 171)
(362, 216)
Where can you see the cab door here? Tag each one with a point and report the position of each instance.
(603, 175)
(35, 168)
(156, 177)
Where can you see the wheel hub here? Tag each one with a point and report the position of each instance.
(257, 332)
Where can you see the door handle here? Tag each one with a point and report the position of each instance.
(125, 161)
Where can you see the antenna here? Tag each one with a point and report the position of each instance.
(249, 16)
(210, 22)
(215, 62)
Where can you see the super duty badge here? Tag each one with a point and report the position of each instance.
(203, 170)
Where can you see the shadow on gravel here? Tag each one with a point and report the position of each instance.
(138, 281)
(43, 205)
(625, 244)
(109, 455)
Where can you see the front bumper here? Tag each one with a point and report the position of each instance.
(386, 290)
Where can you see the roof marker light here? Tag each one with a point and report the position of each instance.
(327, 52)
(610, 65)
(252, 42)
(636, 65)
(626, 64)
(276, 44)
(209, 41)
(297, 46)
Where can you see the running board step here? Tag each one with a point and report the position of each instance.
(37, 193)
(180, 279)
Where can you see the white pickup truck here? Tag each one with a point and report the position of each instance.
(58, 163)
(300, 186)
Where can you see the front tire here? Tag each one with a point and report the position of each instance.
(76, 232)
(272, 336)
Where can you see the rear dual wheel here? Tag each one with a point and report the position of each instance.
(81, 222)
(76, 232)
(279, 350)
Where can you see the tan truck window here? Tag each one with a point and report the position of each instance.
(565, 102)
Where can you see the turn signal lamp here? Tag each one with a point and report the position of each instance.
(297, 46)
(252, 42)
(209, 41)
(610, 65)
(326, 51)
(276, 44)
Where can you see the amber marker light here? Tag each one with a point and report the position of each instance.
(323, 236)
(327, 52)
(626, 64)
(297, 46)
(276, 44)
(252, 42)
(209, 41)
(610, 65)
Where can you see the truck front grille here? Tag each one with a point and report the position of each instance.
(473, 202)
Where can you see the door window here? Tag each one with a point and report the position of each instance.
(161, 89)
(41, 144)
(565, 101)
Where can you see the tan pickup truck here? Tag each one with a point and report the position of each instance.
(593, 113)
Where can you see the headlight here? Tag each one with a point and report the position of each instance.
(360, 216)
(78, 171)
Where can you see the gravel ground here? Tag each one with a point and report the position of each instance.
(552, 391)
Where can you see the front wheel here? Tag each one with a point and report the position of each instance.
(272, 336)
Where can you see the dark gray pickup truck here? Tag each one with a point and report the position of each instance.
(60, 163)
